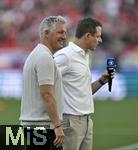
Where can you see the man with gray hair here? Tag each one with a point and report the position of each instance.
(42, 98)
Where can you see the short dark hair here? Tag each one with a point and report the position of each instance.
(85, 25)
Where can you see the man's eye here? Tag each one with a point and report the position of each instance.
(60, 32)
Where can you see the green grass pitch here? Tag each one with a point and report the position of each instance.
(115, 123)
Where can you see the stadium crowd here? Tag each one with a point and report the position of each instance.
(20, 18)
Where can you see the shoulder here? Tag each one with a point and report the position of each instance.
(66, 51)
(61, 51)
(43, 54)
(44, 60)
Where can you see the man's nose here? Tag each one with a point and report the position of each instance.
(64, 36)
(100, 40)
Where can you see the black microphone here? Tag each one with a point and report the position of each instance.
(111, 65)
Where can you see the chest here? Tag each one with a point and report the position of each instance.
(80, 67)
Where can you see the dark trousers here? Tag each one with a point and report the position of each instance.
(40, 139)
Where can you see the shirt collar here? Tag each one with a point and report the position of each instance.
(46, 48)
(77, 48)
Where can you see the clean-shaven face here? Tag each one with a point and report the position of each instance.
(96, 38)
(57, 36)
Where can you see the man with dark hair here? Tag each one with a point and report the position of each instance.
(78, 86)
(87, 25)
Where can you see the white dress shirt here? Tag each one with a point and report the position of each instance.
(76, 76)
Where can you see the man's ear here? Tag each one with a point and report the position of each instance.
(46, 33)
(87, 35)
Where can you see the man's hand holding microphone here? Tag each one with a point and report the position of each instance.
(109, 74)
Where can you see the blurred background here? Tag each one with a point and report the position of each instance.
(19, 23)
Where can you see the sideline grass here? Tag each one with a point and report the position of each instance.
(9, 111)
(115, 123)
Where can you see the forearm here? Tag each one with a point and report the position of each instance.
(51, 109)
(96, 86)
(101, 81)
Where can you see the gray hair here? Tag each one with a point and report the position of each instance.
(47, 24)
